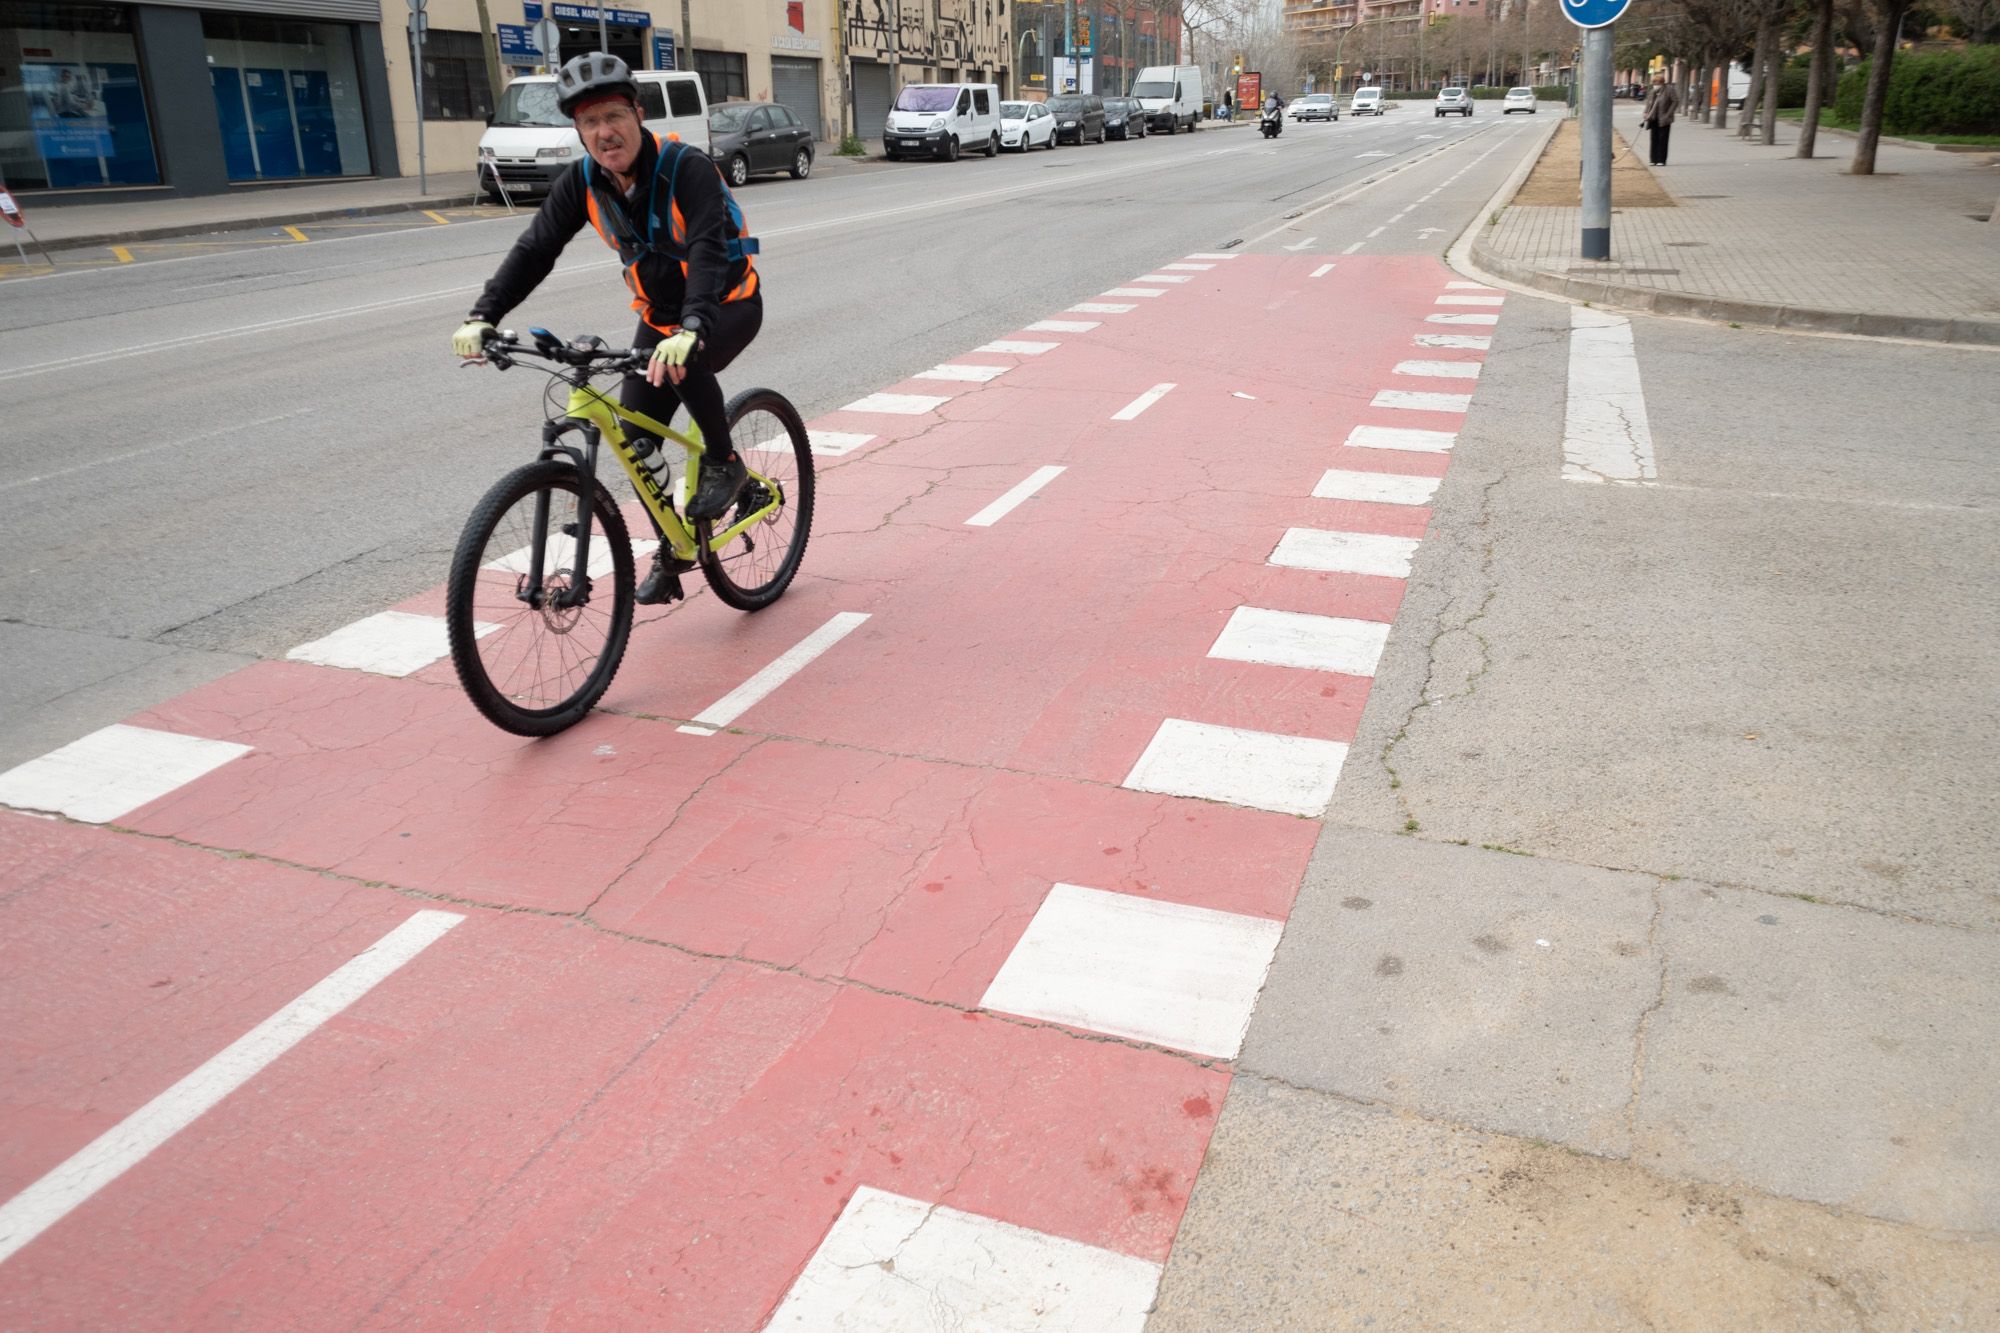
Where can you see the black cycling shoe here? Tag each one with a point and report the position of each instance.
(663, 581)
(720, 483)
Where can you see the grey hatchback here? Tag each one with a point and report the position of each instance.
(748, 138)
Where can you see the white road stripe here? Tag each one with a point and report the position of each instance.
(1165, 277)
(1377, 487)
(1142, 402)
(1017, 347)
(1345, 552)
(1006, 504)
(1293, 639)
(559, 552)
(794, 660)
(126, 1144)
(1409, 401)
(1352, 248)
(1186, 268)
(1440, 370)
(391, 643)
(1469, 341)
(1322, 270)
(1134, 291)
(1265, 771)
(1401, 437)
(1377, 232)
(1606, 436)
(1100, 308)
(896, 404)
(829, 443)
(1470, 300)
(1462, 319)
(113, 771)
(962, 374)
(1063, 326)
(1469, 287)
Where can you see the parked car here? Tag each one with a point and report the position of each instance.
(529, 142)
(1453, 102)
(1171, 95)
(1026, 125)
(1366, 102)
(1518, 99)
(751, 138)
(1079, 117)
(1315, 106)
(941, 120)
(1124, 118)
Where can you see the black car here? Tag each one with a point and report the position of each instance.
(1124, 118)
(1079, 117)
(746, 138)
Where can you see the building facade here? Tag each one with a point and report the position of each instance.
(1100, 44)
(891, 43)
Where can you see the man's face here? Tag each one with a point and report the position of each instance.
(611, 133)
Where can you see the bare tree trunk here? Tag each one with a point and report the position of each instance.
(1758, 75)
(1698, 100)
(489, 49)
(1771, 82)
(1722, 94)
(1822, 56)
(1878, 87)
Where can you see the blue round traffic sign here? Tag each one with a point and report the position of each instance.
(1594, 13)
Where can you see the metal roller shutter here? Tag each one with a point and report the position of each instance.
(871, 98)
(795, 83)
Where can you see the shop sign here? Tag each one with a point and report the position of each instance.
(517, 44)
(569, 13)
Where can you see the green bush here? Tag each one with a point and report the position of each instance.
(1931, 92)
(1792, 81)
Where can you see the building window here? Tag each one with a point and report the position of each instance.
(74, 115)
(723, 74)
(455, 86)
(287, 97)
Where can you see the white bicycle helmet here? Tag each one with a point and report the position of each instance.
(592, 74)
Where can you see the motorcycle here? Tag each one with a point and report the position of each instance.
(1272, 123)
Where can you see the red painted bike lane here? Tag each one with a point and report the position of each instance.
(966, 917)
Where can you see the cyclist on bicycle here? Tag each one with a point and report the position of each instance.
(664, 208)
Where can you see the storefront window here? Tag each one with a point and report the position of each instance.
(75, 116)
(723, 74)
(287, 97)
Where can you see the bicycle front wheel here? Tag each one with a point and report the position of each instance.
(535, 663)
(753, 570)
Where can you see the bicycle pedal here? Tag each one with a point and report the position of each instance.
(674, 591)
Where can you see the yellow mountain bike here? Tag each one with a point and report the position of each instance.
(533, 635)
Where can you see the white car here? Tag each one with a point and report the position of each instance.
(1518, 99)
(1453, 102)
(1026, 125)
(1315, 106)
(1365, 102)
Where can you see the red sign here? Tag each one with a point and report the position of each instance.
(11, 209)
(795, 14)
(1249, 92)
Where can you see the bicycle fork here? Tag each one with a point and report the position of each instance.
(584, 460)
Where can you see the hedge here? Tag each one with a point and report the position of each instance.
(1931, 92)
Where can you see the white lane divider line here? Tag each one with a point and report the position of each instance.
(1606, 437)
(1377, 232)
(1487, 320)
(1401, 437)
(963, 374)
(1440, 370)
(1101, 308)
(1165, 277)
(1458, 286)
(126, 1144)
(1017, 347)
(1007, 503)
(1064, 325)
(1390, 488)
(1352, 248)
(828, 443)
(788, 664)
(1293, 775)
(1322, 270)
(1215, 255)
(1306, 244)
(111, 772)
(896, 404)
(1186, 268)
(1470, 300)
(390, 643)
(1345, 552)
(1294, 639)
(1411, 401)
(1470, 341)
(1159, 972)
(891, 1262)
(1377, 153)
(1134, 291)
(1145, 400)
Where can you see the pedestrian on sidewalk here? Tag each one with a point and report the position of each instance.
(1226, 104)
(1662, 101)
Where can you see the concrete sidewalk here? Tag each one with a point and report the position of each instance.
(1760, 237)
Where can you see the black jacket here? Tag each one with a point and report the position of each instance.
(660, 292)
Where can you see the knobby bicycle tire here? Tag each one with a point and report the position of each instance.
(472, 555)
(720, 567)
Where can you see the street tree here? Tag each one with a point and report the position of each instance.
(1816, 80)
(1889, 24)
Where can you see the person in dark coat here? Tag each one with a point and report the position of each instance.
(1662, 101)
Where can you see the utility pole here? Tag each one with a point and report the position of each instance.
(1598, 52)
(684, 58)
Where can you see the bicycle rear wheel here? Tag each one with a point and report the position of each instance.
(754, 570)
(534, 670)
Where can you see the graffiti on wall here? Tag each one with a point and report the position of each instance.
(928, 32)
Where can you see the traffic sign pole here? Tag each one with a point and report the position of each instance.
(1593, 111)
(420, 23)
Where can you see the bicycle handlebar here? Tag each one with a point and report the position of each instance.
(503, 346)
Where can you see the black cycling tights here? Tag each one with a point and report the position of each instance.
(735, 326)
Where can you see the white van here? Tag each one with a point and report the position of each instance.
(1366, 101)
(1171, 95)
(529, 142)
(942, 120)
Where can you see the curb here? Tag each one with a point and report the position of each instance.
(1473, 257)
(272, 220)
(1901, 143)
